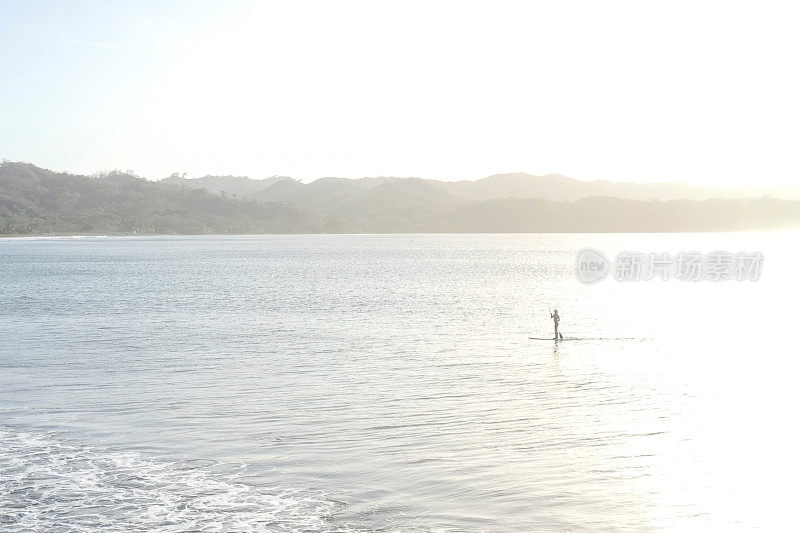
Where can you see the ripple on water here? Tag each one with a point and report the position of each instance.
(49, 484)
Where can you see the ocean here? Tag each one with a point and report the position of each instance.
(388, 383)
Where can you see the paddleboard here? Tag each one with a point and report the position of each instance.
(582, 339)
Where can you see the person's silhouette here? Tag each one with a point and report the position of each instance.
(556, 319)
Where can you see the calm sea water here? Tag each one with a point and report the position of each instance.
(387, 383)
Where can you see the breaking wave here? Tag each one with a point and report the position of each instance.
(48, 484)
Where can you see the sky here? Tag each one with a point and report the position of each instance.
(702, 92)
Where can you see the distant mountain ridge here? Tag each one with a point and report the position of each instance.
(36, 201)
(511, 185)
(389, 204)
(227, 185)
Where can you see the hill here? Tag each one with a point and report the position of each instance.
(240, 186)
(38, 201)
(618, 215)
(513, 185)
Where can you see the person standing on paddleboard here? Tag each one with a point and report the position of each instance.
(556, 319)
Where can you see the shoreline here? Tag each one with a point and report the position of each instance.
(28, 236)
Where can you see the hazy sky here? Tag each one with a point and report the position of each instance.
(697, 91)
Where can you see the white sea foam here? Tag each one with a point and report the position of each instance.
(48, 484)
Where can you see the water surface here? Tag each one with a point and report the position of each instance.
(387, 383)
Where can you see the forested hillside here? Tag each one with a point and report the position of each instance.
(38, 201)
(35, 201)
